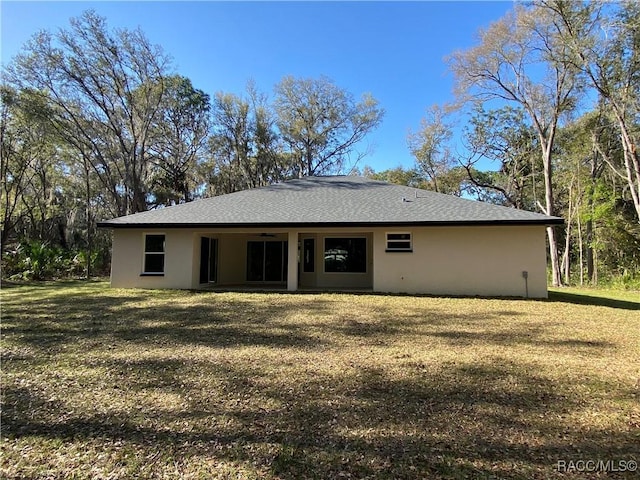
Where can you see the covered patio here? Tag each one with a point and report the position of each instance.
(292, 260)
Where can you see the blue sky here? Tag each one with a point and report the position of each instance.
(393, 50)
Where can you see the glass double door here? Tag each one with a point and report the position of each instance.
(267, 261)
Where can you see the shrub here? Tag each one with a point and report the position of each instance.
(37, 260)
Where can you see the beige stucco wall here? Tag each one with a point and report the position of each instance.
(484, 261)
(445, 260)
(182, 257)
(128, 257)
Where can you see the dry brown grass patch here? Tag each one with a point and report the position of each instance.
(103, 383)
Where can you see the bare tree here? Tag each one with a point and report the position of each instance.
(429, 146)
(516, 62)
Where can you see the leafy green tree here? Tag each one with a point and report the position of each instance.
(29, 200)
(321, 124)
(245, 150)
(616, 239)
(179, 134)
(503, 137)
(49, 197)
(104, 86)
(399, 176)
(15, 159)
(601, 238)
(603, 41)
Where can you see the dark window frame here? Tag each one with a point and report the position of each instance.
(151, 251)
(398, 242)
(208, 260)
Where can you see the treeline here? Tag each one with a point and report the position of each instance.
(550, 96)
(96, 123)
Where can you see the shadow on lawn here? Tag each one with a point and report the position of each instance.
(65, 319)
(490, 419)
(566, 297)
(520, 337)
(58, 321)
(361, 423)
(58, 316)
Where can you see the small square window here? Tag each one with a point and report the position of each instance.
(399, 242)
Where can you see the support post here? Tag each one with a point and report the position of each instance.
(292, 264)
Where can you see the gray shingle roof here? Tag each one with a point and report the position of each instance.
(327, 201)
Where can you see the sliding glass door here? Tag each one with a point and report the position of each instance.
(266, 261)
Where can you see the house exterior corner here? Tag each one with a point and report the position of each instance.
(467, 261)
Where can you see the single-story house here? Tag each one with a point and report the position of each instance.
(334, 233)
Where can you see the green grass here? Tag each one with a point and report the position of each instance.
(107, 383)
(597, 296)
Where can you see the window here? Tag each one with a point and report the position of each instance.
(399, 242)
(154, 254)
(308, 252)
(345, 255)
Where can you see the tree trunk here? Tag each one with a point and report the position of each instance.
(631, 161)
(89, 245)
(86, 163)
(566, 259)
(566, 265)
(595, 267)
(308, 160)
(553, 253)
(7, 227)
(589, 251)
(581, 250)
(589, 224)
(556, 277)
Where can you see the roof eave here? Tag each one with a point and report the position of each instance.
(444, 223)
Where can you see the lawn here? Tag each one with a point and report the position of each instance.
(107, 383)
